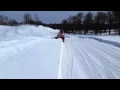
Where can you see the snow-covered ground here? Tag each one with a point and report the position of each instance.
(110, 38)
(84, 57)
(30, 52)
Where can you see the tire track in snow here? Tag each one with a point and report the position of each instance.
(111, 62)
(80, 60)
(104, 60)
(68, 64)
(86, 58)
(94, 66)
(75, 62)
(115, 56)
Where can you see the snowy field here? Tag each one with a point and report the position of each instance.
(30, 52)
(90, 57)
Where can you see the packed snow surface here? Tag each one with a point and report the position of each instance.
(31, 52)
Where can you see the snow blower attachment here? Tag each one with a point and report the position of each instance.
(60, 35)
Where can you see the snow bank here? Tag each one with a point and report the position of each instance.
(9, 32)
(27, 53)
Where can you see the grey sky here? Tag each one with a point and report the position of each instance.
(45, 16)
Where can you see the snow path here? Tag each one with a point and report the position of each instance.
(29, 58)
(89, 59)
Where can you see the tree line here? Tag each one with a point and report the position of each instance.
(27, 19)
(96, 23)
(80, 23)
(4, 20)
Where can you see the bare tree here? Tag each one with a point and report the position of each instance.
(27, 18)
(6, 20)
(97, 22)
(1, 19)
(103, 20)
(64, 25)
(36, 19)
(70, 22)
(64, 21)
(110, 19)
(79, 17)
(12, 22)
(116, 15)
(88, 21)
(74, 22)
(70, 19)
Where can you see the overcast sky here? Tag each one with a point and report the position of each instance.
(45, 16)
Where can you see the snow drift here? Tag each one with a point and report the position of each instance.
(28, 52)
(9, 32)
